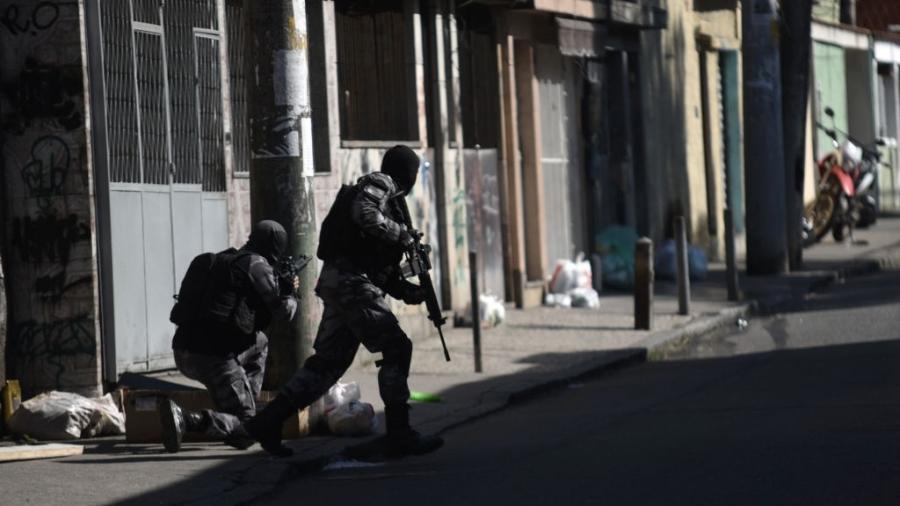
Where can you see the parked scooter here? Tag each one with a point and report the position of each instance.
(844, 197)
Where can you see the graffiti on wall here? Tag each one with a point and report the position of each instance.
(52, 337)
(29, 19)
(53, 343)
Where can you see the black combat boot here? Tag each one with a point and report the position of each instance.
(265, 427)
(402, 440)
(175, 422)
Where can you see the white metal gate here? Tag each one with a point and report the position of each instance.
(164, 128)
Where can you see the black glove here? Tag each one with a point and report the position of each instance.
(285, 285)
(413, 295)
(407, 239)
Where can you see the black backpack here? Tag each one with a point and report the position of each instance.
(189, 302)
(201, 295)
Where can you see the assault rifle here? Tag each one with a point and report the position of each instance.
(287, 269)
(418, 264)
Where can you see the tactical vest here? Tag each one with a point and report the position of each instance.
(341, 239)
(228, 300)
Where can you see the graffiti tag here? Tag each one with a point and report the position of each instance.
(19, 20)
(52, 343)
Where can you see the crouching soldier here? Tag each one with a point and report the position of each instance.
(225, 301)
(361, 244)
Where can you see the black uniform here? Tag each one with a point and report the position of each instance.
(352, 285)
(225, 348)
(361, 242)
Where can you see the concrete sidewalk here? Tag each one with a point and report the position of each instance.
(533, 351)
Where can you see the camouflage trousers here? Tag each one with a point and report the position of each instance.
(233, 383)
(355, 313)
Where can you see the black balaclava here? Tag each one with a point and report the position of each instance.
(268, 239)
(402, 164)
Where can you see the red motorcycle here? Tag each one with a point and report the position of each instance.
(843, 196)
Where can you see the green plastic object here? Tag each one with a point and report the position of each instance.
(424, 397)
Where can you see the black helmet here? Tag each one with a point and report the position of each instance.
(402, 164)
(268, 239)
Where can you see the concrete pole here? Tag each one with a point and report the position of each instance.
(731, 271)
(683, 275)
(764, 147)
(281, 167)
(795, 50)
(476, 313)
(643, 284)
(2, 325)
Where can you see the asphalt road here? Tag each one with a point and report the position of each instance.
(802, 407)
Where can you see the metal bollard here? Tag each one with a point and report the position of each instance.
(731, 272)
(476, 318)
(683, 274)
(643, 284)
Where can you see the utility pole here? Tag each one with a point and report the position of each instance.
(281, 168)
(795, 48)
(764, 149)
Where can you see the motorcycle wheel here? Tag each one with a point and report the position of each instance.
(820, 214)
(868, 215)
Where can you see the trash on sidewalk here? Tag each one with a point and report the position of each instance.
(354, 418)
(741, 323)
(571, 285)
(142, 416)
(667, 262)
(64, 415)
(491, 312)
(417, 396)
(39, 451)
(345, 414)
(616, 247)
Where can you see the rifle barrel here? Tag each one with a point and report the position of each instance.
(444, 344)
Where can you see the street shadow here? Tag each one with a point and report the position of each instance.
(779, 377)
(548, 371)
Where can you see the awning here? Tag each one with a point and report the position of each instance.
(581, 38)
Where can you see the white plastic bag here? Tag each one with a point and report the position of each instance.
(564, 277)
(352, 419)
(64, 415)
(341, 394)
(585, 297)
(569, 275)
(558, 300)
(491, 310)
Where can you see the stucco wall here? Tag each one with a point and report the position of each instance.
(675, 150)
(48, 198)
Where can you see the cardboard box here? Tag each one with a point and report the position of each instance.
(142, 416)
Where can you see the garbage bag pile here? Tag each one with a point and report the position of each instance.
(571, 285)
(63, 415)
(616, 248)
(666, 264)
(346, 414)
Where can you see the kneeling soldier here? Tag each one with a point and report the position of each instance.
(219, 341)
